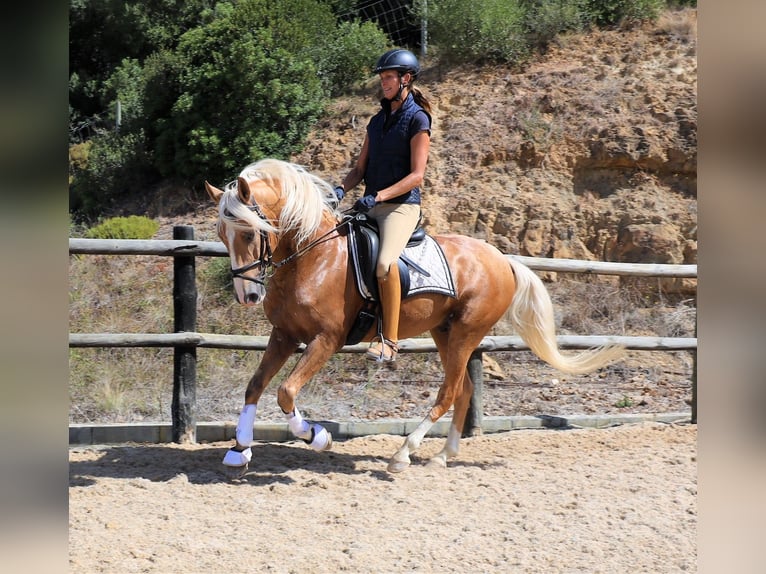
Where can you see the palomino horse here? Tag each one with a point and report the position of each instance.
(280, 221)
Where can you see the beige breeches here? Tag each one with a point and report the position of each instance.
(396, 222)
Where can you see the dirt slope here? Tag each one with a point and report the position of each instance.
(589, 153)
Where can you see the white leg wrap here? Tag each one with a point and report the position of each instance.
(245, 425)
(322, 439)
(235, 458)
(314, 434)
(298, 426)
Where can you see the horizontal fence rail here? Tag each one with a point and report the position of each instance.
(186, 340)
(216, 248)
(415, 345)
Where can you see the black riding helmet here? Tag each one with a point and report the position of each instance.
(402, 61)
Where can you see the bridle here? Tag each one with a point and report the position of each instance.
(265, 259)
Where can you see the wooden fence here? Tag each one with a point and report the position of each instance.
(185, 340)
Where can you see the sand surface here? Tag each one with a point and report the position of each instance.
(615, 500)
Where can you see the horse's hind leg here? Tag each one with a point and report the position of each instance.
(454, 358)
(452, 445)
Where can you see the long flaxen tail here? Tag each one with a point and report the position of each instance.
(532, 318)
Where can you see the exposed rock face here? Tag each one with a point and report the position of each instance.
(589, 153)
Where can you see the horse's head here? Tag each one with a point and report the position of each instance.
(270, 200)
(246, 232)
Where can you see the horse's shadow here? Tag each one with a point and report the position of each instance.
(270, 464)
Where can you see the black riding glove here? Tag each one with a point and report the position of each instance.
(365, 204)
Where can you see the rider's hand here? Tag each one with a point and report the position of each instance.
(339, 193)
(365, 204)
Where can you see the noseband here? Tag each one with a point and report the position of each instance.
(264, 256)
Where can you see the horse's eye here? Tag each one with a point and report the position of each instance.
(248, 237)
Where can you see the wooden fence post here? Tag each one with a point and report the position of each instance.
(694, 379)
(474, 419)
(184, 357)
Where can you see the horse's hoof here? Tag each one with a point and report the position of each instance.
(437, 462)
(236, 472)
(236, 462)
(397, 465)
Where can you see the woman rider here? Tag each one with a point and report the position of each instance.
(392, 164)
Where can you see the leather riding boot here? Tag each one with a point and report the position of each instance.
(390, 301)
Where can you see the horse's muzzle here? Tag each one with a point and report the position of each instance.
(248, 292)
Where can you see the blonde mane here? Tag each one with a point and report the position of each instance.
(306, 198)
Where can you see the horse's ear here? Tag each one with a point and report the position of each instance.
(214, 193)
(243, 190)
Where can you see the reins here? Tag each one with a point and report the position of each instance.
(265, 257)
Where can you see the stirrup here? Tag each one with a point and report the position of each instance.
(377, 351)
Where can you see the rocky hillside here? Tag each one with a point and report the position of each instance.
(588, 153)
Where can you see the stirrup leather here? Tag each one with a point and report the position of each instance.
(383, 351)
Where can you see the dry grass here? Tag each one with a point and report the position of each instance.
(134, 294)
(678, 24)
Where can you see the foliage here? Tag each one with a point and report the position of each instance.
(103, 33)
(611, 12)
(624, 403)
(348, 57)
(488, 30)
(113, 167)
(205, 87)
(132, 227)
(546, 19)
(202, 88)
(508, 30)
(242, 95)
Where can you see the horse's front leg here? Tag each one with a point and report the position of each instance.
(317, 353)
(278, 350)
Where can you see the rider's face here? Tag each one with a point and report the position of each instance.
(389, 82)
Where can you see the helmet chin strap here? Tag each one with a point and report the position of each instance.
(398, 96)
(402, 85)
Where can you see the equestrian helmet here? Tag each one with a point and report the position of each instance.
(401, 60)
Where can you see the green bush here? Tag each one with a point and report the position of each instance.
(133, 227)
(210, 90)
(480, 30)
(611, 12)
(247, 88)
(545, 19)
(348, 56)
(112, 167)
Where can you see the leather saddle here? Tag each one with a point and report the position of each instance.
(363, 248)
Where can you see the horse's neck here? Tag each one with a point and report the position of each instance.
(288, 245)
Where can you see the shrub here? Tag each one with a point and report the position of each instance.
(112, 167)
(611, 12)
(545, 19)
(349, 56)
(133, 227)
(247, 88)
(489, 30)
